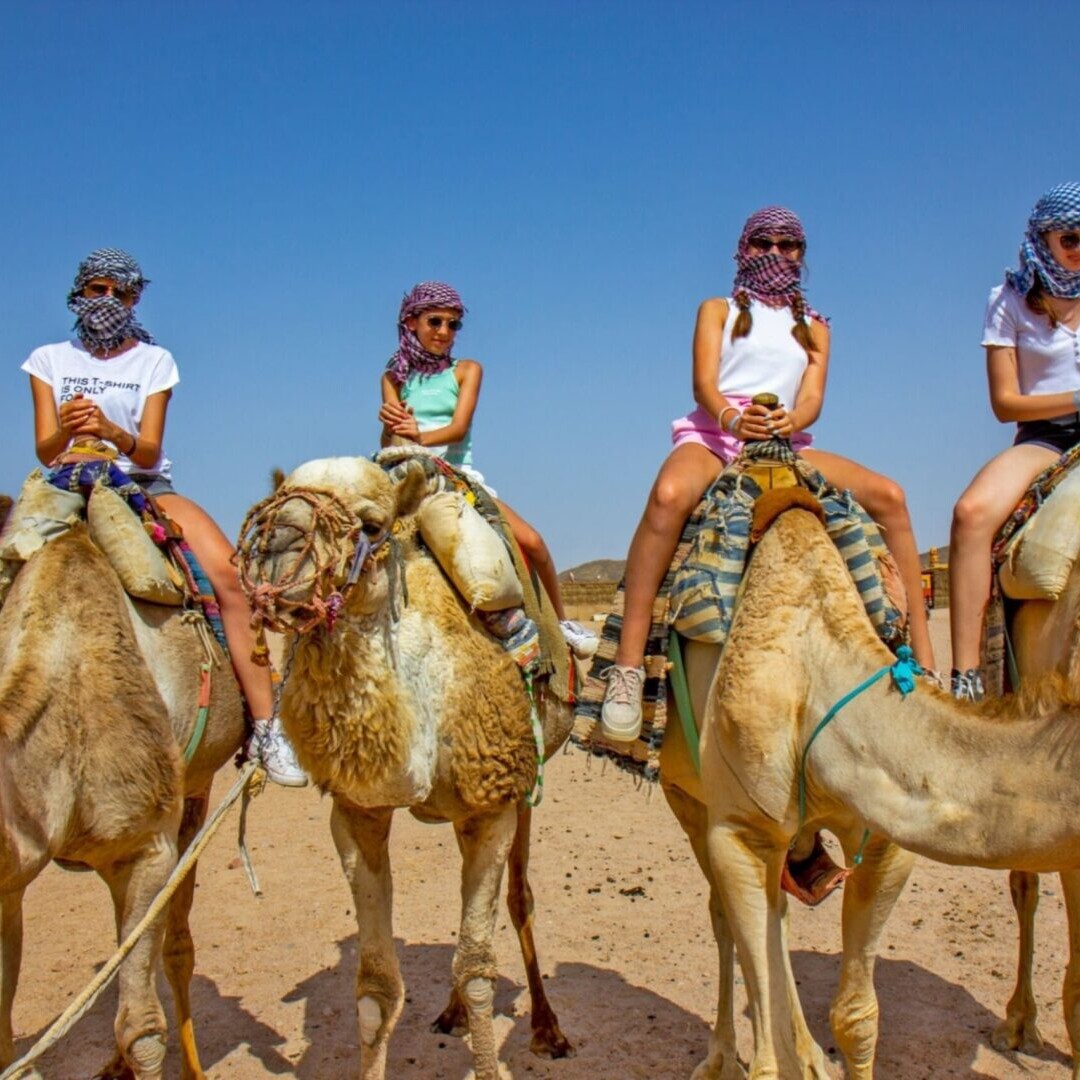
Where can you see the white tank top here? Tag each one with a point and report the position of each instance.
(767, 360)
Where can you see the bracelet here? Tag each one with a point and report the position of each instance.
(134, 444)
(723, 413)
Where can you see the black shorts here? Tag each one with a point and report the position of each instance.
(1061, 433)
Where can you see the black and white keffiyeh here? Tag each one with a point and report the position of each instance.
(103, 322)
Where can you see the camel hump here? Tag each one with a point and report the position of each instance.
(771, 504)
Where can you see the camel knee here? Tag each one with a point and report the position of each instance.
(854, 1022)
(146, 1055)
(370, 1018)
(479, 994)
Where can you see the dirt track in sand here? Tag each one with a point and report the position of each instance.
(633, 978)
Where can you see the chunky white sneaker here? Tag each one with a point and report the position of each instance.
(620, 718)
(583, 643)
(269, 746)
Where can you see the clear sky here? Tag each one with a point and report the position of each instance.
(579, 171)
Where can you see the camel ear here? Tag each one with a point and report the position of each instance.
(411, 489)
(277, 478)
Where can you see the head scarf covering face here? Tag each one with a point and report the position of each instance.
(772, 278)
(103, 322)
(1058, 209)
(411, 357)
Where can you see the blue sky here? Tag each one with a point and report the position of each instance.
(580, 172)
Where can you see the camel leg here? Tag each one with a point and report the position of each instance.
(869, 897)
(11, 941)
(721, 1062)
(547, 1038)
(485, 842)
(140, 1020)
(746, 868)
(1070, 995)
(362, 838)
(1019, 1030)
(179, 953)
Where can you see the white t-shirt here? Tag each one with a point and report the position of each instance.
(119, 386)
(1047, 359)
(767, 360)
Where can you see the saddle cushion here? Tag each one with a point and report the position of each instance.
(470, 551)
(137, 560)
(1037, 561)
(42, 513)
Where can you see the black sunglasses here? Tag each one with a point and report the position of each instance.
(1070, 241)
(764, 245)
(436, 321)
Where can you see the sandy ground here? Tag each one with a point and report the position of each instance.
(623, 933)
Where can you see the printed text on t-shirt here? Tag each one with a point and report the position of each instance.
(91, 385)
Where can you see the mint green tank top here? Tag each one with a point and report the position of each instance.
(433, 399)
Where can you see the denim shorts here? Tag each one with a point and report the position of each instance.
(1060, 433)
(153, 484)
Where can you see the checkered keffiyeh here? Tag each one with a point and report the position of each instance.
(1059, 208)
(102, 322)
(411, 357)
(774, 279)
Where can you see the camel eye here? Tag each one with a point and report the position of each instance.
(372, 529)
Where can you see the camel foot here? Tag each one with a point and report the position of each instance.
(453, 1020)
(726, 1069)
(813, 878)
(1018, 1033)
(550, 1042)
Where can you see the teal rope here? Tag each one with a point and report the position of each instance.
(536, 795)
(903, 673)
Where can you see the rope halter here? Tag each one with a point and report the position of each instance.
(334, 548)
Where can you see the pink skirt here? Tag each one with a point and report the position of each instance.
(701, 427)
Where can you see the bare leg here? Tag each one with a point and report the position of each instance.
(485, 843)
(537, 554)
(883, 499)
(1019, 1030)
(978, 514)
(683, 479)
(362, 839)
(214, 551)
(11, 941)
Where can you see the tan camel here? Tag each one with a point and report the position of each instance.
(1046, 638)
(98, 694)
(990, 785)
(405, 703)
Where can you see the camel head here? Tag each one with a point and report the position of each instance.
(319, 544)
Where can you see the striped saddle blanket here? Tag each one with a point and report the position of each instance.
(700, 590)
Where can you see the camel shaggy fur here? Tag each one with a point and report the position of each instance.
(990, 785)
(98, 693)
(407, 702)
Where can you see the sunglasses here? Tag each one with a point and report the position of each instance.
(764, 245)
(1069, 241)
(436, 321)
(100, 288)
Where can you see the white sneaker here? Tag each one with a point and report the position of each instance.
(620, 718)
(583, 643)
(272, 749)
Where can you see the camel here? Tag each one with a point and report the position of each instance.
(1046, 638)
(988, 785)
(405, 703)
(98, 696)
